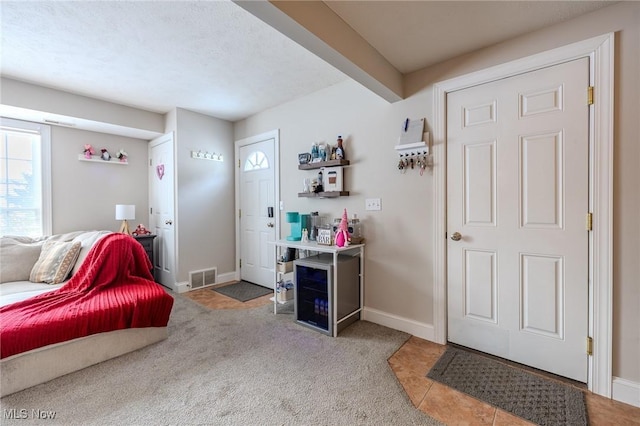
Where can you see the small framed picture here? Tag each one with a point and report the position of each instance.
(304, 158)
(324, 237)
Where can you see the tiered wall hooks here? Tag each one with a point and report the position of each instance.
(199, 155)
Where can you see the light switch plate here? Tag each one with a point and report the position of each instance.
(373, 204)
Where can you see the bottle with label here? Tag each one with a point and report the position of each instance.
(340, 154)
(319, 186)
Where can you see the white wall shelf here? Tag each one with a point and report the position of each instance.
(98, 159)
(412, 149)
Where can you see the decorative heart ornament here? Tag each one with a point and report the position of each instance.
(160, 171)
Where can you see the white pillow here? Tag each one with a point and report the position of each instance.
(17, 257)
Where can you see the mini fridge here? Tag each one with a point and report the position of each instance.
(314, 289)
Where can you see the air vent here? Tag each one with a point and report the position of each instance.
(202, 278)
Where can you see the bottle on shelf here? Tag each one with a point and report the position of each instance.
(340, 154)
(319, 187)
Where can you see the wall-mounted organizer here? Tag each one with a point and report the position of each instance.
(413, 150)
(199, 155)
(98, 159)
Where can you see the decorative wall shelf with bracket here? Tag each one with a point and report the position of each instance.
(326, 194)
(98, 159)
(320, 164)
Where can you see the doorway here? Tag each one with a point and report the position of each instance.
(517, 196)
(258, 215)
(162, 208)
(600, 51)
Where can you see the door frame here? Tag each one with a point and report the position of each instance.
(275, 135)
(600, 51)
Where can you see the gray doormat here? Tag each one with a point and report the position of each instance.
(523, 394)
(243, 291)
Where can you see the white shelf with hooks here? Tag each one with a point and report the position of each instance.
(413, 149)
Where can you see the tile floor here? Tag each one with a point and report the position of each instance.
(413, 360)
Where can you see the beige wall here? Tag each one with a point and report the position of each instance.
(84, 194)
(205, 196)
(399, 253)
(38, 98)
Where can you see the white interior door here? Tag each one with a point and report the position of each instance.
(162, 208)
(517, 193)
(257, 211)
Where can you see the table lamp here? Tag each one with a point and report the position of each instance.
(125, 212)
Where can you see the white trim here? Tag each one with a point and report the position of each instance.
(47, 191)
(181, 287)
(271, 134)
(226, 277)
(415, 328)
(626, 391)
(44, 130)
(600, 50)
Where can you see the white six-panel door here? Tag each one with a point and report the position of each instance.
(257, 229)
(517, 195)
(162, 208)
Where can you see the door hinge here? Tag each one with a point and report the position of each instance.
(241, 263)
(239, 213)
(150, 162)
(589, 221)
(589, 345)
(238, 163)
(590, 95)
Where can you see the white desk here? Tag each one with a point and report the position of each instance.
(320, 248)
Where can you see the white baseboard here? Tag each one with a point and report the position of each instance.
(626, 391)
(182, 287)
(418, 329)
(226, 277)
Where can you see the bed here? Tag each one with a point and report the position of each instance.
(109, 306)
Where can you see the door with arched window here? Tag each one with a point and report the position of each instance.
(257, 224)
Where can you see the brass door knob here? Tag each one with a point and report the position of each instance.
(270, 225)
(456, 236)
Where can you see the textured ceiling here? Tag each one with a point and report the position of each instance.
(211, 57)
(216, 58)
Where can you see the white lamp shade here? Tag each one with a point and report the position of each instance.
(125, 211)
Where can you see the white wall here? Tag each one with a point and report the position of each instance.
(398, 252)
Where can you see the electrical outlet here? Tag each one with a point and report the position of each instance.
(372, 204)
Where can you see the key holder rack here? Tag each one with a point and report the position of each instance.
(414, 156)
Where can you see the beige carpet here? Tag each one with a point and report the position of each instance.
(234, 367)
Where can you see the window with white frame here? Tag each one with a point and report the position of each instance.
(25, 178)
(256, 161)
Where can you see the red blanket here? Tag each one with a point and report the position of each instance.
(112, 290)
